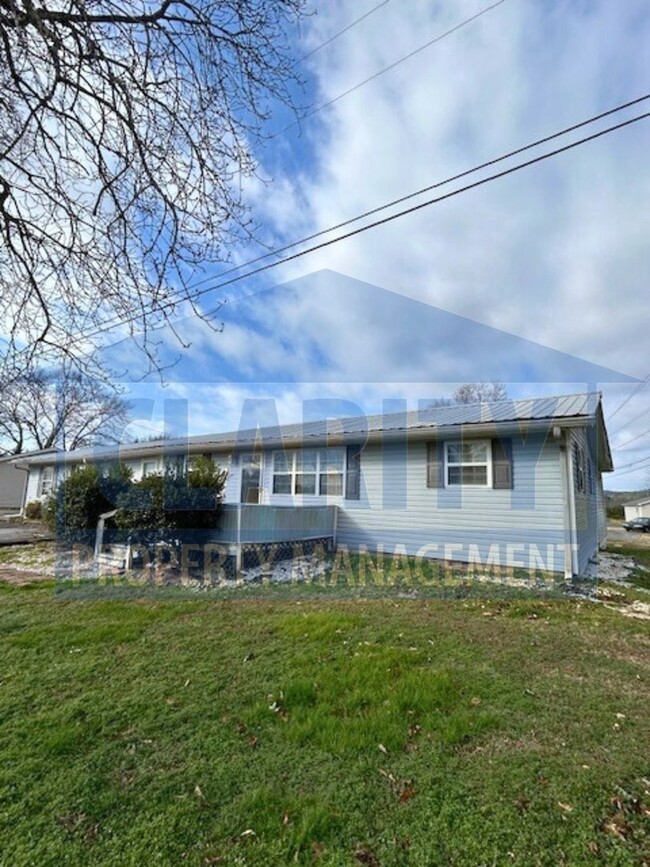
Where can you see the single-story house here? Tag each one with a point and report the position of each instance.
(637, 509)
(512, 483)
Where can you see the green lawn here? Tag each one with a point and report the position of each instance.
(294, 725)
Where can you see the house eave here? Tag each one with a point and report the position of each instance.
(425, 432)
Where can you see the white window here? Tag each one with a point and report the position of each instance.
(331, 471)
(46, 482)
(306, 465)
(468, 464)
(149, 468)
(251, 478)
(309, 472)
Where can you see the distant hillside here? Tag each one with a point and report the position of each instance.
(617, 498)
(614, 501)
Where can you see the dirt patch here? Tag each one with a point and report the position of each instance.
(21, 577)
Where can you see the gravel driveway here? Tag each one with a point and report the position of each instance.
(617, 535)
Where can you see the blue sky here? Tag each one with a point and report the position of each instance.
(557, 254)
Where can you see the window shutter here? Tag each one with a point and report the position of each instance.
(502, 463)
(435, 465)
(353, 473)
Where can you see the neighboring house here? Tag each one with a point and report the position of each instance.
(13, 481)
(637, 509)
(511, 483)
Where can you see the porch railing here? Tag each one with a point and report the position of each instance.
(242, 523)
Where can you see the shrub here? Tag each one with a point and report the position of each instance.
(34, 510)
(174, 501)
(615, 511)
(86, 494)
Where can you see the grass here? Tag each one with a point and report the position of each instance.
(305, 725)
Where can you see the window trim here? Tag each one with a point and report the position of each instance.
(487, 463)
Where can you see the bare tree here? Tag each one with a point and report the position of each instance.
(62, 408)
(125, 134)
(474, 392)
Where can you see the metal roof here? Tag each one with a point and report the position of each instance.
(503, 412)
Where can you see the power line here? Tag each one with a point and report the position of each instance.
(387, 68)
(634, 439)
(634, 470)
(341, 32)
(633, 463)
(631, 421)
(642, 384)
(388, 219)
(109, 323)
(494, 161)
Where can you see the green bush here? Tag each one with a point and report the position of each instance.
(34, 510)
(615, 512)
(87, 493)
(174, 501)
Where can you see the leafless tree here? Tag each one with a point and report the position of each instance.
(126, 131)
(473, 392)
(59, 408)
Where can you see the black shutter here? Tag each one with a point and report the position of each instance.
(435, 465)
(353, 473)
(502, 463)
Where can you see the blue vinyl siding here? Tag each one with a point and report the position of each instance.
(397, 508)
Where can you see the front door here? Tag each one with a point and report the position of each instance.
(251, 477)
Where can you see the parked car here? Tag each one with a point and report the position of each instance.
(641, 525)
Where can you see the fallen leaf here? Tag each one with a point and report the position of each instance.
(365, 856)
(566, 807)
(382, 749)
(406, 794)
(252, 742)
(248, 833)
(475, 700)
(187, 682)
(199, 793)
(285, 819)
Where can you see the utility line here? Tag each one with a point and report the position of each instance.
(633, 439)
(388, 219)
(638, 388)
(438, 184)
(631, 421)
(375, 75)
(633, 463)
(341, 32)
(633, 470)
(484, 165)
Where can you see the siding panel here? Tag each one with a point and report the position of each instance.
(529, 514)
